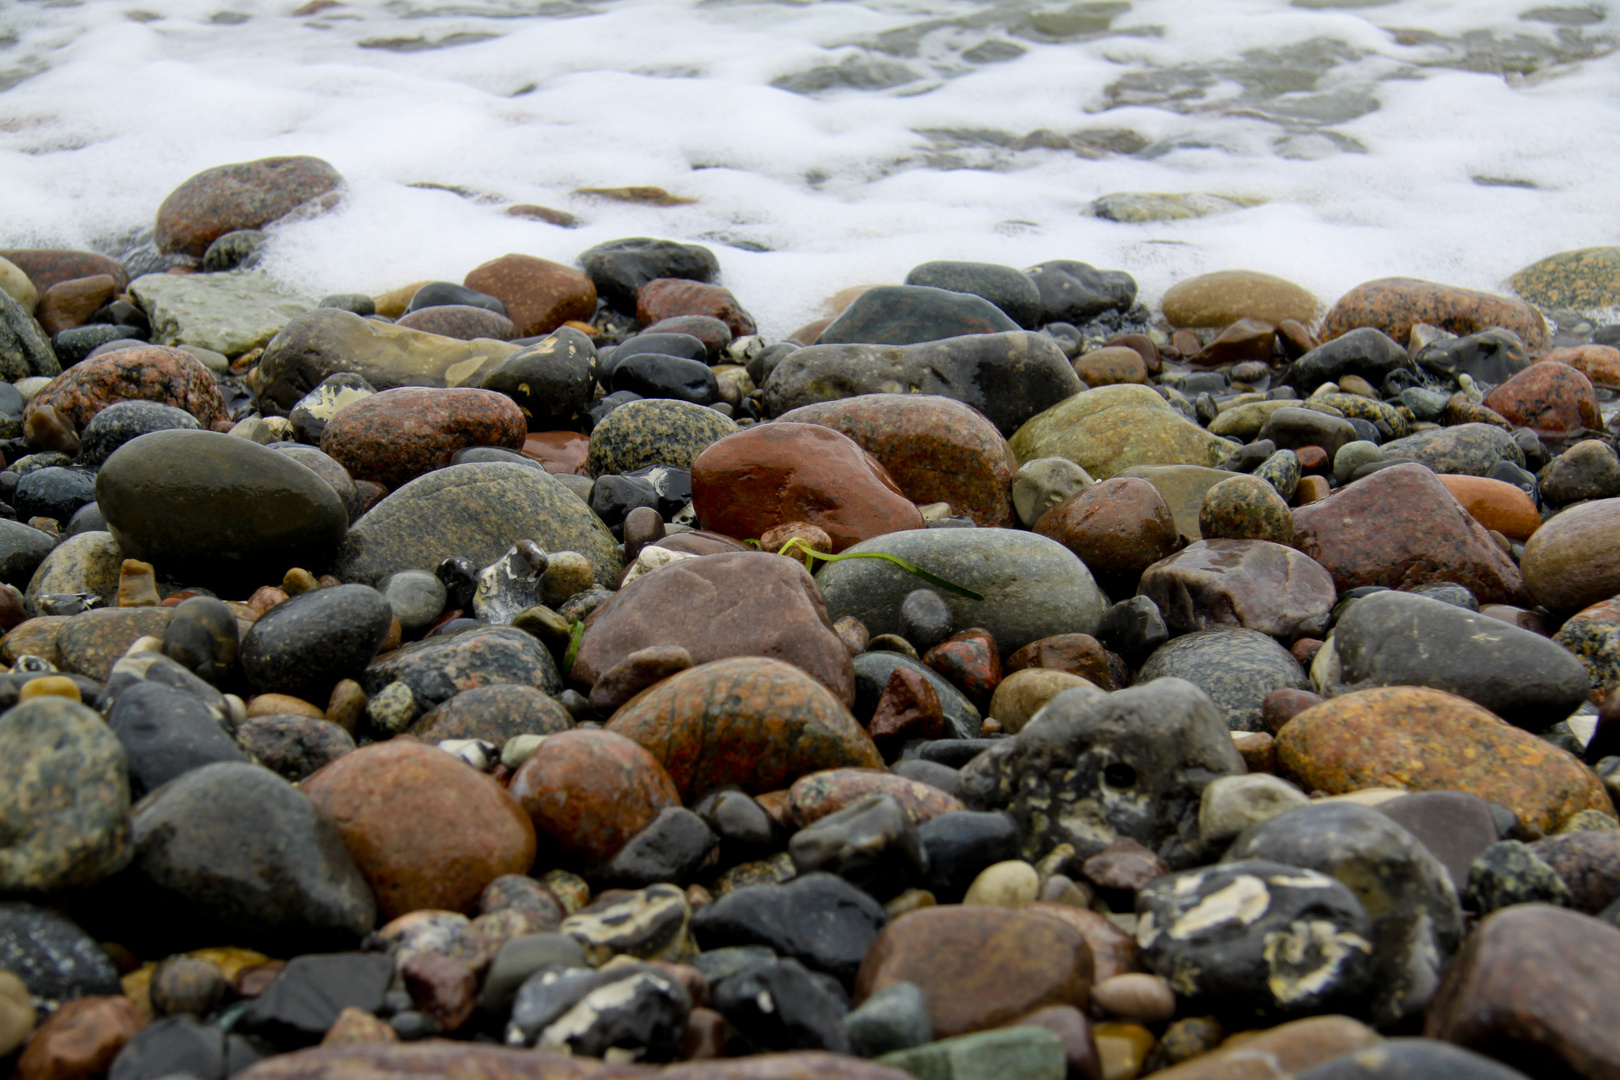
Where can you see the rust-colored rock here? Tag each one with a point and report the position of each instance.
(1111, 364)
(750, 721)
(1599, 363)
(426, 830)
(979, 967)
(247, 195)
(440, 1059)
(1401, 528)
(1495, 504)
(46, 267)
(1534, 986)
(813, 797)
(936, 449)
(1394, 305)
(395, 436)
(743, 603)
(91, 642)
(1573, 561)
(667, 298)
(771, 474)
(1120, 526)
(1077, 654)
(1553, 400)
(589, 791)
(540, 295)
(1428, 740)
(80, 1039)
(971, 661)
(1113, 951)
(68, 304)
(1285, 1050)
(1249, 583)
(139, 373)
(1246, 339)
(908, 709)
(558, 451)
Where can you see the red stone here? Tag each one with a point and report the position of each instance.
(1553, 400)
(1312, 459)
(769, 474)
(714, 333)
(971, 662)
(394, 436)
(813, 797)
(440, 986)
(248, 195)
(1077, 654)
(1395, 305)
(1246, 339)
(908, 709)
(68, 304)
(667, 298)
(80, 1039)
(1120, 526)
(460, 321)
(139, 373)
(46, 267)
(558, 451)
(540, 295)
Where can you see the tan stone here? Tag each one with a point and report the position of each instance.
(1221, 298)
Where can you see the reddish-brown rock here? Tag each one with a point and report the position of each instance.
(936, 449)
(1111, 364)
(1599, 363)
(1246, 339)
(668, 298)
(558, 451)
(139, 373)
(1249, 583)
(1394, 305)
(1077, 654)
(1553, 400)
(441, 1059)
(426, 830)
(793, 1065)
(970, 661)
(742, 603)
(979, 967)
(1401, 528)
(80, 1039)
(394, 436)
(770, 474)
(908, 709)
(1429, 740)
(460, 321)
(50, 266)
(71, 303)
(813, 797)
(1113, 951)
(247, 195)
(1495, 504)
(540, 295)
(588, 792)
(1535, 987)
(1120, 526)
(1285, 1050)
(754, 722)
(1573, 560)
(440, 986)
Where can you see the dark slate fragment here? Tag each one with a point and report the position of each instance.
(781, 1006)
(1013, 291)
(820, 920)
(183, 1045)
(871, 843)
(440, 667)
(1076, 292)
(909, 314)
(634, 1008)
(446, 293)
(1365, 352)
(960, 844)
(672, 848)
(22, 549)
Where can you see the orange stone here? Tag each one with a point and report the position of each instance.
(558, 451)
(1599, 363)
(540, 295)
(588, 792)
(80, 1039)
(1553, 400)
(1111, 364)
(1495, 504)
(813, 797)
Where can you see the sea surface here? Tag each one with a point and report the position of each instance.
(823, 144)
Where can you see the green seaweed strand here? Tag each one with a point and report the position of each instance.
(932, 579)
(576, 634)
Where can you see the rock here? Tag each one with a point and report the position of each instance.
(81, 1038)
(397, 435)
(91, 642)
(494, 713)
(1588, 862)
(1553, 400)
(476, 510)
(1395, 305)
(935, 449)
(438, 668)
(69, 304)
(653, 375)
(1141, 206)
(589, 792)
(54, 492)
(1591, 634)
(1110, 365)
(293, 746)
(619, 268)
(306, 644)
(1008, 884)
(425, 830)
(1428, 740)
(911, 314)
(1120, 526)
(249, 195)
(1041, 484)
(22, 549)
(139, 373)
(1398, 639)
(1573, 561)
(672, 849)
(45, 267)
(324, 342)
(1253, 584)
(1113, 428)
(636, 1012)
(1490, 356)
(88, 563)
(816, 795)
(1075, 292)
(1024, 693)
(1599, 363)
(15, 284)
(1236, 668)
(166, 733)
(894, 1018)
(229, 313)
(1033, 587)
(1009, 377)
(1519, 988)
(1291, 428)
(65, 798)
(1365, 352)
(1467, 449)
(779, 1005)
(24, 350)
(979, 967)
(551, 380)
(1411, 1059)
(668, 298)
(873, 670)
(1293, 1046)
(1405, 891)
(1499, 505)
(304, 1001)
(820, 920)
(1248, 508)
(969, 659)
(1582, 280)
(1587, 470)
(539, 295)
(1401, 528)
(754, 722)
(1013, 291)
(871, 844)
(122, 421)
(1155, 746)
(1232, 804)
(1020, 1052)
(654, 432)
(213, 506)
(1222, 298)
(1454, 825)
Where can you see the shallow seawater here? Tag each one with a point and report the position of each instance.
(817, 145)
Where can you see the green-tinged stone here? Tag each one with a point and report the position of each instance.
(655, 431)
(1245, 421)
(1112, 428)
(229, 313)
(1012, 1053)
(87, 563)
(1182, 487)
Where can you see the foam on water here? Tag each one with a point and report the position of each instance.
(1364, 132)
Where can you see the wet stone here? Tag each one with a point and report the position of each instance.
(248, 195)
(1588, 861)
(654, 432)
(538, 295)
(910, 314)
(872, 844)
(1587, 470)
(1245, 508)
(635, 1012)
(894, 1018)
(589, 792)
(1120, 526)
(648, 924)
(305, 645)
(293, 746)
(1237, 668)
(165, 733)
(1572, 561)
(1395, 305)
(780, 1005)
(1252, 584)
(822, 921)
(1509, 872)
(1454, 825)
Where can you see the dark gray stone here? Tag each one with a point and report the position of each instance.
(447, 293)
(781, 1006)
(820, 920)
(55, 959)
(894, 1018)
(1456, 826)
(203, 638)
(24, 349)
(672, 848)
(872, 844)
(636, 1009)
(22, 549)
(166, 733)
(672, 378)
(654, 432)
(304, 645)
(1236, 668)
(550, 380)
(54, 493)
(1013, 291)
(619, 268)
(442, 666)
(959, 845)
(1411, 1059)
(1489, 357)
(910, 314)
(304, 1001)
(1509, 872)
(872, 671)
(182, 1046)
(122, 421)
(1076, 292)
(292, 746)
(1466, 449)
(1366, 352)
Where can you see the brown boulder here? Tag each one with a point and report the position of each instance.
(68, 304)
(745, 603)
(668, 298)
(1249, 583)
(1394, 305)
(394, 436)
(589, 791)
(51, 266)
(248, 195)
(1120, 526)
(771, 474)
(754, 722)
(80, 1039)
(1401, 528)
(1553, 400)
(1535, 987)
(539, 295)
(426, 830)
(437, 1059)
(139, 373)
(813, 797)
(935, 448)
(1428, 740)
(1573, 560)
(979, 967)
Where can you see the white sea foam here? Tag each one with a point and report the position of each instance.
(133, 96)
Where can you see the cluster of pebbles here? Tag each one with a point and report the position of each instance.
(545, 675)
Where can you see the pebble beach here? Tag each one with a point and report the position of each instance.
(595, 661)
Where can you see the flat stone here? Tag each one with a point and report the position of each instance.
(229, 313)
(1499, 505)
(619, 268)
(25, 351)
(1113, 428)
(1013, 1053)
(1221, 298)
(306, 644)
(669, 298)
(440, 1057)
(1013, 291)
(248, 195)
(91, 642)
(1253, 584)
(1395, 305)
(821, 920)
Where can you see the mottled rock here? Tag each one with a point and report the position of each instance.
(816, 795)
(293, 746)
(539, 295)
(248, 195)
(619, 268)
(82, 1038)
(1113, 428)
(589, 792)
(397, 435)
(438, 668)
(1395, 305)
(1120, 526)
(1236, 668)
(820, 920)
(668, 298)
(654, 431)
(139, 373)
(91, 642)
(1553, 400)
(1246, 508)
(1253, 584)
(1583, 280)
